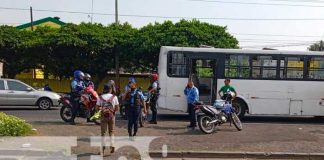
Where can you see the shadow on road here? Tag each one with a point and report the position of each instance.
(17, 108)
(255, 119)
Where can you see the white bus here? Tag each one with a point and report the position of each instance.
(268, 82)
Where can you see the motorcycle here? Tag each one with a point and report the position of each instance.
(209, 117)
(87, 103)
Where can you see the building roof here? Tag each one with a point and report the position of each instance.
(41, 21)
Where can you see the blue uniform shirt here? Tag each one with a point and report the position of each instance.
(77, 86)
(154, 84)
(133, 94)
(192, 94)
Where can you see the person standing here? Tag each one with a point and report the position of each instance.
(108, 104)
(153, 91)
(192, 94)
(135, 99)
(227, 88)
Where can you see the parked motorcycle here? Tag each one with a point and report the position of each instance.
(209, 117)
(87, 104)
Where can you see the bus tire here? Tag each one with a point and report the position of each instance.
(240, 107)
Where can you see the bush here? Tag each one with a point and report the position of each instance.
(13, 126)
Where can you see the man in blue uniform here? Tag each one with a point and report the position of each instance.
(77, 85)
(192, 94)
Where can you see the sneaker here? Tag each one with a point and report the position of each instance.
(112, 149)
(131, 138)
(153, 122)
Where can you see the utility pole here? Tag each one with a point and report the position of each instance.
(116, 50)
(91, 11)
(31, 18)
(116, 11)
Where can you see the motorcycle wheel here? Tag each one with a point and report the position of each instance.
(66, 113)
(122, 112)
(204, 125)
(236, 121)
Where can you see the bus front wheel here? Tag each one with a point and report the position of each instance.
(240, 108)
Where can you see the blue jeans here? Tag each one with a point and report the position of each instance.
(132, 116)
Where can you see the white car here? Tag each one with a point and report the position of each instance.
(16, 93)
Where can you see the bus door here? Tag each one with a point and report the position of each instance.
(202, 72)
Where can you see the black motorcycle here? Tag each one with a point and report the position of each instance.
(221, 112)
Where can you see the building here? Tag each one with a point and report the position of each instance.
(53, 22)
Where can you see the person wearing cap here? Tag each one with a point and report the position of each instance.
(153, 91)
(227, 87)
(135, 99)
(130, 79)
(108, 99)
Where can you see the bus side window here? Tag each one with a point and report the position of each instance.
(316, 68)
(292, 67)
(264, 67)
(237, 66)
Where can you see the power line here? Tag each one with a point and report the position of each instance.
(299, 1)
(172, 17)
(275, 35)
(256, 3)
(278, 45)
(266, 42)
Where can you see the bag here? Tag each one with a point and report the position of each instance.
(107, 108)
(137, 99)
(96, 116)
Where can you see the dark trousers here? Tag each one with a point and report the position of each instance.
(154, 110)
(132, 116)
(75, 106)
(192, 115)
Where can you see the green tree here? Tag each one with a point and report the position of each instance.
(317, 46)
(183, 34)
(15, 50)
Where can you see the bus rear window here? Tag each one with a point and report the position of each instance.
(177, 64)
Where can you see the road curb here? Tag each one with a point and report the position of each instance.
(214, 154)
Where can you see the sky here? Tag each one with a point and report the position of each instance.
(252, 34)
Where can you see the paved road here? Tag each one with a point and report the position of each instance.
(260, 134)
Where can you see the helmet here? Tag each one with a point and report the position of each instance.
(155, 77)
(78, 75)
(131, 79)
(87, 76)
